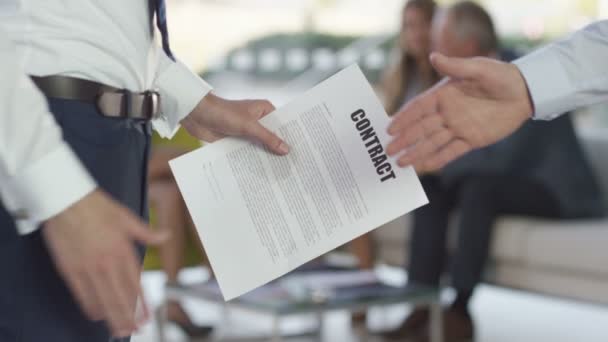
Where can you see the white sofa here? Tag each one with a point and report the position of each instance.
(562, 258)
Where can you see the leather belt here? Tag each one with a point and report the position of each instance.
(110, 101)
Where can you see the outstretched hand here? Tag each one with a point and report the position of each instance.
(480, 101)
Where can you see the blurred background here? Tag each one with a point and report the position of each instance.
(277, 40)
(276, 49)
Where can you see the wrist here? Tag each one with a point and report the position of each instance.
(523, 95)
(205, 119)
(69, 213)
(205, 106)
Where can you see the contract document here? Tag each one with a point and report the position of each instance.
(260, 215)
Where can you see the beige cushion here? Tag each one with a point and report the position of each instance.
(393, 238)
(563, 284)
(508, 243)
(576, 246)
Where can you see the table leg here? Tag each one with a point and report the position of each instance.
(436, 325)
(160, 315)
(320, 325)
(226, 315)
(276, 329)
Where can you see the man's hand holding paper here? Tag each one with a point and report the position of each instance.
(215, 118)
(260, 215)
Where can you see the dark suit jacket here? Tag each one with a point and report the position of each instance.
(547, 152)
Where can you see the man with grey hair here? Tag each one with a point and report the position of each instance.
(465, 29)
(516, 176)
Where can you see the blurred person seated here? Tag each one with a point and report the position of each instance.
(172, 215)
(411, 73)
(540, 171)
(408, 76)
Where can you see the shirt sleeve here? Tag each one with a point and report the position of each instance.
(569, 73)
(180, 91)
(40, 175)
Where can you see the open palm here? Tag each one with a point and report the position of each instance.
(480, 101)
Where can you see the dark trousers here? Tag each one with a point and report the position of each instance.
(480, 201)
(35, 304)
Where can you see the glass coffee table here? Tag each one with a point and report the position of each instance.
(294, 295)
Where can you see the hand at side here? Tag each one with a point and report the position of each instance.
(91, 244)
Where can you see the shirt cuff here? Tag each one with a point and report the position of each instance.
(180, 91)
(547, 82)
(48, 187)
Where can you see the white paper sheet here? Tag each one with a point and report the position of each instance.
(260, 215)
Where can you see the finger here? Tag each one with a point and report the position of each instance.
(460, 68)
(406, 116)
(450, 152)
(131, 275)
(142, 311)
(262, 134)
(426, 148)
(141, 233)
(115, 302)
(419, 170)
(425, 127)
(85, 296)
(123, 281)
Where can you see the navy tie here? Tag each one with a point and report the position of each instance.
(161, 21)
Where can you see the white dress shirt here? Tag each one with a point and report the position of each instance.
(105, 41)
(568, 74)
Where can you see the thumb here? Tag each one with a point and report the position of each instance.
(142, 233)
(459, 68)
(262, 134)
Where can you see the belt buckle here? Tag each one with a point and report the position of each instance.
(125, 104)
(152, 103)
(140, 105)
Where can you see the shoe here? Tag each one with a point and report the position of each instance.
(358, 319)
(458, 326)
(176, 314)
(412, 328)
(195, 331)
